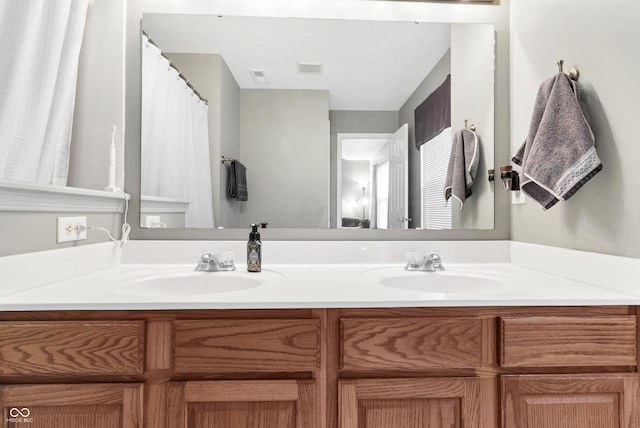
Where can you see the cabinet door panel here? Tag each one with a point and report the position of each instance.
(427, 412)
(409, 403)
(72, 406)
(243, 404)
(570, 401)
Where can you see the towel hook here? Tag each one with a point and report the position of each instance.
(472, 127)
(574, 73)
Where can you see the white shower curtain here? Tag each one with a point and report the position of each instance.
(175, 139)
(40, 42)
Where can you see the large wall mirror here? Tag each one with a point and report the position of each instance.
(316, 123)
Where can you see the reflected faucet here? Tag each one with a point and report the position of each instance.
(420, 263)
(216, 263)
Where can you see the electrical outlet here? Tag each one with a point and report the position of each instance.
(72, 229)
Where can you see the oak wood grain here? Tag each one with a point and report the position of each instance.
(567, 401)
(75, 405)
(568, 341)
(428, 402)
(246, 345)
(159, 337)
(71, 348)
(242, 404)
(411, 343)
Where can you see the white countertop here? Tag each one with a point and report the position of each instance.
(100, 277)
(309, 286)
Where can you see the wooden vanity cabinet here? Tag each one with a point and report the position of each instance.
(562, 346)
(282, 355)
(559, 367)
(415, 371)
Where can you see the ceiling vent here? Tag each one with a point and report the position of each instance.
(258, 76)
(309, 68)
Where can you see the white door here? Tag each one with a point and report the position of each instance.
(399, 179)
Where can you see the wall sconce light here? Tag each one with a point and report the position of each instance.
(510, 178)
(492, 175)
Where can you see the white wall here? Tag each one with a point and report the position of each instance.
(601, 39)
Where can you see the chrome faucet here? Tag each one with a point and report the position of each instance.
(216, 263)
(431, 263)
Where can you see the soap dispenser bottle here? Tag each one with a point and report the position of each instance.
(254, 250)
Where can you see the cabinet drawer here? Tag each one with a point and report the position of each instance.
(410, 343)
(58, 348)
(232, 346)
(568, 341)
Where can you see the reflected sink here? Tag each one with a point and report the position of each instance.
(440, 282)
(196, 283)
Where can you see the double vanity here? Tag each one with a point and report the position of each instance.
(147, 341)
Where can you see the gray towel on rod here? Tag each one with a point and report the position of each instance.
(463, 166)
(559, 155)
(237, 181)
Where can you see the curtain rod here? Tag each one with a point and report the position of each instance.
(172, 65)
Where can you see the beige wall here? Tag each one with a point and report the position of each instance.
(284, 143)
(601, 40)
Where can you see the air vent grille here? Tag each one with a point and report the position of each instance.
(258, 75)
(309, 68)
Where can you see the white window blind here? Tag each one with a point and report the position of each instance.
(434, 161)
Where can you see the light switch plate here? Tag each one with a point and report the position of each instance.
(71, 229)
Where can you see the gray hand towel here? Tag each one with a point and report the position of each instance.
(559, 155)
(237, 181)
(463, 166)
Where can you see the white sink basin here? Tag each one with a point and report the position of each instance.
(448, 282)
(196, 283)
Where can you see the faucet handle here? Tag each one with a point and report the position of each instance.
(205, 256)
(436, 261)
(415, 260)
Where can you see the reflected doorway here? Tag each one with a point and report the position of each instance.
(372, 178)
